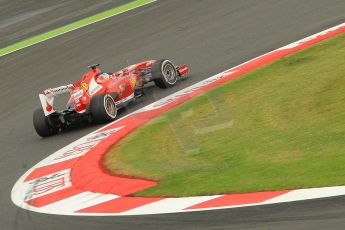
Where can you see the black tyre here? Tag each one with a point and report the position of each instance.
(164, 74)
(103, 108)
(41, 124)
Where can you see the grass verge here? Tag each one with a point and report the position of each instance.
(279, 127)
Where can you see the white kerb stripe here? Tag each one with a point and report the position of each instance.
(169, 205)
(306, 194)
(77, 202)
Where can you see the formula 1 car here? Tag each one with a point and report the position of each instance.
(99, 95)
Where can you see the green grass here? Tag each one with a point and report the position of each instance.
(279, 127)
(73, 26)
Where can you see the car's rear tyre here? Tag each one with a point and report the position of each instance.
(103, 108)
(164, 74)
(41, 124)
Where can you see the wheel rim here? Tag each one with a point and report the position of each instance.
(110, 107)
(169, 73)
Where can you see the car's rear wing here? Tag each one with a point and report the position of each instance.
(47, 98)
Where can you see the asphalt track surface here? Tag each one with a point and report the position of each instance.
(20, 19)
(209, 35)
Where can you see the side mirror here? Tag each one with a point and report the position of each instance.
(94, 66)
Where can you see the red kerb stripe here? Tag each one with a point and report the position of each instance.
(49, 169)
(118, 205)
(53, 197)
(239, 199)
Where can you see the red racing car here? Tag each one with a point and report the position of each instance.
(98, 95)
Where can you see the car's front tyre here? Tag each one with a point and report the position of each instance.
(164, 74)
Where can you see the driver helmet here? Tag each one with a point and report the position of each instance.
(104, 75)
